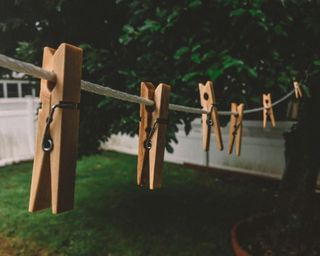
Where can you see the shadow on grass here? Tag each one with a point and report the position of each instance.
(191, 215)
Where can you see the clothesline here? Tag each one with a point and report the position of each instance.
(35, 71)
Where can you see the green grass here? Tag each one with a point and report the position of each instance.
(191, 215)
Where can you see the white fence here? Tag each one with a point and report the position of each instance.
(17, 129)
(14, 88)
(262, 149)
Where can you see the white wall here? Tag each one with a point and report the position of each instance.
(17, 129)
(262, 149)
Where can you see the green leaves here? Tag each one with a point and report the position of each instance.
(150, 25)
(214, 72)
(172, 17)
(190, 76)
(128, 29)
(26, 51)
(238, 12)
(255, 12)
(193, 4)
(252, 72)
(229, 62)
(196, 47)
(196, 58)
(128, 34)
(279, 29)
(94, 60)
(316, 62)
(180, 52)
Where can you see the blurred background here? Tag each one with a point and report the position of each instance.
(246, 48)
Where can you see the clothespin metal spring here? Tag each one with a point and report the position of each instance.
(47, 142)
(236, 128)
(209, 119)
(147, 143)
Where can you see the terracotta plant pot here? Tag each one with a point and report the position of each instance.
(246, 223)
(238, 250)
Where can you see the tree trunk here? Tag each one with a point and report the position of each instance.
(295, 205)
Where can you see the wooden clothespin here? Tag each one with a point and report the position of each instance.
(207, 100)
(53, 175)
(235, 129)
(152, 134)
(268, 111)
(297, 89)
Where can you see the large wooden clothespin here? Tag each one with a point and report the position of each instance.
(267, 110)
(207, 100)
(152, 135)
(53, 175)
(297, 90)
(235, 129)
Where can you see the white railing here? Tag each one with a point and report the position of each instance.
(16, 88)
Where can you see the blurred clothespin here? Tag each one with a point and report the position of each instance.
(268, 111)
(207, 100)
(293, 109)
(297, 89)
(53, 175)
(152, 134)
(235, 129)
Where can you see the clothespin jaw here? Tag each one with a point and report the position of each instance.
(208, 101)
(297, 89)
(53, 175)
(235, 129)
(268, 111)
(146, 91)
(152, 135)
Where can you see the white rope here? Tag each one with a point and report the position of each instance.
(27, 68)
(107, 91)
(30, 69)
(248, 111)
(185, 109)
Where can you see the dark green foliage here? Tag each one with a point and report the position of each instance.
(246, 47)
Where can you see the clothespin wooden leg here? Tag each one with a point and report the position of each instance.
(265, 115)
(56, 145)
(232, 127)
(206, 132)
(217, 129)
(268, 111)
(273, 122)
(235, 129)
(158, 140)
(240, 109)
(146, 91)
(207, 100)
(40, 194)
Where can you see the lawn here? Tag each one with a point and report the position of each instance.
(191, 215)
